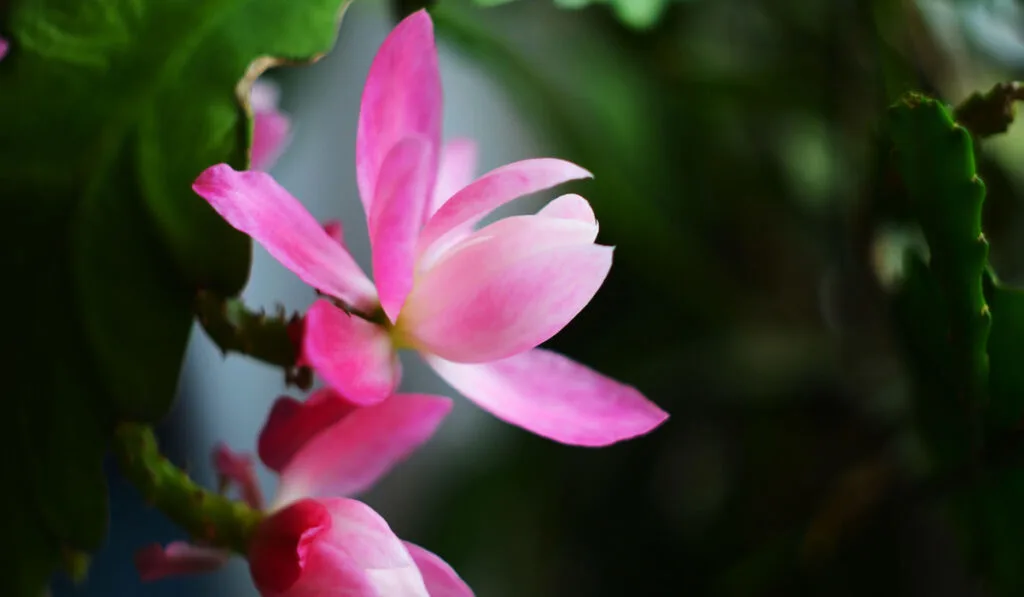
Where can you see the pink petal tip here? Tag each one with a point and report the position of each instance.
(440, 578)
(555, 397)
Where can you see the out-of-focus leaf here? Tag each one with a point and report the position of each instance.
(111, 108)
(640, 14)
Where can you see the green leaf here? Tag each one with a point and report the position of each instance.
(964, 334)
(935, 159)
(941, 308)
(1005, 350)
(639, 14)
(112, 107)
(946, 426)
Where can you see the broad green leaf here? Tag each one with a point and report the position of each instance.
(111, 108)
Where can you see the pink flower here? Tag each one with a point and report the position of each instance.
(315, 542)
(474, 302)
(270, 126)
(4, 46)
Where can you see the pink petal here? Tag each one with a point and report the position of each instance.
(255, 204)
(281, 547)
(396, 216)
(4, 46)
(321, 548)
(155, 561)
(439, 577)
(361, 534)
(269, 137)
(349, 456)
(334, 229)
(458, 164)
(291, 424)
(456, 170)
(270, 126)
(332, 547)
(505, 289)
(326, 572)
(570, 207)
(238, 469)
(556, 397)
(353, 355)
(264, 95)
(492, 190)
(402, 98)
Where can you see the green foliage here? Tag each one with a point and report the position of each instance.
(640, 14)
(1005, 349)
(112, 107)
(936, 161)
(964, 334)
(949, 429)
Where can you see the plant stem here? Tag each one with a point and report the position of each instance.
(209, 518)
(990, 113)
(271, 339)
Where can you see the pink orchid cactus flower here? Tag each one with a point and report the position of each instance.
(271, 127)
(314, 542)
(474, 302)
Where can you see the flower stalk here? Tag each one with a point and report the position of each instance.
(271, 339)
(209, 518)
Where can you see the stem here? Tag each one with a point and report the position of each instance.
(990, 113)
(234, 328)
(209, 518)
